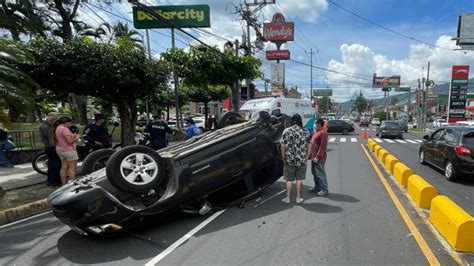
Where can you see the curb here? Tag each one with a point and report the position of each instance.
(23, 211)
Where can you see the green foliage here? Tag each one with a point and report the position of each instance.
(360, 104)
(207, 94)
(324, 105)
(380, 115)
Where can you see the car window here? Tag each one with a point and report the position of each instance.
(438, 135)
(450, 136)
(389, 123)
(468, 139)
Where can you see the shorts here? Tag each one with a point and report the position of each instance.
(292, 173)
(68, 155)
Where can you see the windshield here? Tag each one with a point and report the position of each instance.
(392, 124)
(468, 139)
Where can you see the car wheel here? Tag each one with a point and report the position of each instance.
(345, 131)
(421, 157)
(40, 163)
(135, 169)
(400, 137)
(286, 120)
(450, 172)
(229, 118)
(381, 135)
(95, 160)
(202, 129)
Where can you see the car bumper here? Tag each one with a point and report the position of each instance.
(392, 133)
(465, 165)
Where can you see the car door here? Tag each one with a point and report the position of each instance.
(444, 147)
(431, 144)
(332, 126)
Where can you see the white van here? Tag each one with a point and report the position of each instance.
(286, 106)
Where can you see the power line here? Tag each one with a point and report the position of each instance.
(358, 76)
(386, 28)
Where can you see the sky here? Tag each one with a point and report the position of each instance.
(340, 33)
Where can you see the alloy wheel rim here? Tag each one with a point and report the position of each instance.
(422, 157)
(449, 169)
(139, 169)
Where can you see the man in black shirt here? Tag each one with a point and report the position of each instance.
(54, 163)
(157, 130)
(97, 134)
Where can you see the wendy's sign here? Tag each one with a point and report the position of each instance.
(279, 30)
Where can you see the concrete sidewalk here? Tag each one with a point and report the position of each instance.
(20, 176)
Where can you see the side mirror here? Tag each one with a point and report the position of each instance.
(116, 124)
(426, 137)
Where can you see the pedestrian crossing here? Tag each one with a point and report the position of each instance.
(379, 140)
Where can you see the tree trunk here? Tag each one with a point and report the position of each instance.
(206, 124)
(128, 115)
(30, 112)
(235, 97)
(167, 113)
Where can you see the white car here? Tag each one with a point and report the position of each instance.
(439, 123)
(375, 122)
(465, 123)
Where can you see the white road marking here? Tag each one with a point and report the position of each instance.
(418, 140)
(411, 141)
(23, 220)
(378, 140)
(353, 140)
(342, 139)
(269, 198)
(332, 139)
(389, 141)
(183, 239)
(400, 141)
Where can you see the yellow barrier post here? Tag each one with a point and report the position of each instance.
(382, 154)
(421, 191)
(401, 172)
(377, 147)
(455, 224)
(390, 162)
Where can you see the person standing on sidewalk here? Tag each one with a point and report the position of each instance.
(66, 149)
(294, 145)
(54, 163)
(158, 130)
(5, 145)
(318, 154)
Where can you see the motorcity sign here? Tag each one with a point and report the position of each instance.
(458, 94)
(279, 30)
(278, 54)
(175, 16)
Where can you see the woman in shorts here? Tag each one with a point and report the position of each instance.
(66, 148)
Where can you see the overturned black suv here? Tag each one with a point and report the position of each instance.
(210, 171)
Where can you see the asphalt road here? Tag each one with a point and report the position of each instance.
(462, 192)
(358, 224)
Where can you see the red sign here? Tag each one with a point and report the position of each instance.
(278, 30)
(278, 54)
(460, 72)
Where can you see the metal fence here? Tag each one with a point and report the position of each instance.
(26, 139)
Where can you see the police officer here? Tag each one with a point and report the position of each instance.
(157, 130)
(97, 134)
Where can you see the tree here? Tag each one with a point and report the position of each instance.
(22, 18)
(360, 104)
(117, 74)
(324, 105)
(206, 94)
(394, 101)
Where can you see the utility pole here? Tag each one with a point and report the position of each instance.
(149, 56)
(311, 56)
(175, 78)
(425, 95)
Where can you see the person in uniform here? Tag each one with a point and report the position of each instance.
(158, 130)
(97, 134)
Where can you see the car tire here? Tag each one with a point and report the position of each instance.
(229, 118)
(345, 131)
(421, 157)
(285, 119)
(126, 172)
(400, 137)
(40, 163)
(95, 160)
(449, 172)
(381, 135)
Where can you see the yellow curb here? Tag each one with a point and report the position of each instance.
(421, 191)
(382, 154)
(455, 224)
(390, 162)
(23, 211)
(401, 172)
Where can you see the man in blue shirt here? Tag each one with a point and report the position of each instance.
(191, 128)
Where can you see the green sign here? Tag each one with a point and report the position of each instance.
(176, 16)
(323, 93)
(405, 89)
(386, 88)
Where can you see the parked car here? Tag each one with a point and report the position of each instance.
(450, 149)
(439, 123)
(465, 123)
(375, 122)
(340, 126)
(218, 168)
(364, 122)
(403, 125)
(357, 119)
(389, 129)
(346, 119)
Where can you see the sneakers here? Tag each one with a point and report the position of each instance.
(313, 189)
(322, 194)
(299, 200)
(286, 200)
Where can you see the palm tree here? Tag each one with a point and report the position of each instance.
(22, 18)
(82, 29)
(110, 33)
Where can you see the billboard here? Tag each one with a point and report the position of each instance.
(327, 92)
(278, 54)
(392, 81)
(465, 30)
(278, 74)
(279, 30)
(175, 16)
(458, 94)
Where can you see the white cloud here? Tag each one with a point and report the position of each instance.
(307, 10)
(361, 60)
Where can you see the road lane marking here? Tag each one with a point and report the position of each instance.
(342, 139)
(418, 140)
(24, 220)
(332, 139)
(400, 141)
(353, 140)
(378, 140)
(183, 239)
(389, 141)
(411, 141)
(269, 198)
(406, 218)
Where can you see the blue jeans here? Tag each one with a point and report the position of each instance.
(320, 177)
(5, 146)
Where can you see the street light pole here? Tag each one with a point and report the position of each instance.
(311, 56)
